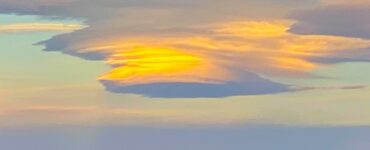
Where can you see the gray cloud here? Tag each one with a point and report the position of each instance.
(254, 86)
(357, 55)
(340, 20)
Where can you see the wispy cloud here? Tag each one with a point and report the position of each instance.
(39, 27)
(44, 115)
(350, 104)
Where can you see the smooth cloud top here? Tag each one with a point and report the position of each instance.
(156, 49)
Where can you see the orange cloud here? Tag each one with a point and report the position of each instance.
(142, 64)
(260, 47)
(229, 55)
(254, 29)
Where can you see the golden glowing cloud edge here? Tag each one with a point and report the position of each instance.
(261, 47)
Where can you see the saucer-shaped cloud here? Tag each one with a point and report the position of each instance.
(218, 60)
(156, 49)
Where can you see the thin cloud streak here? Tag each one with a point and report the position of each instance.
(39, 27)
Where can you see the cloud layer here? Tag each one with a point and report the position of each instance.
(196, 49)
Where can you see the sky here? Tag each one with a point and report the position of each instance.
(184, 75)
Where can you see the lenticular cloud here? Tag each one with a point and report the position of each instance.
(156, 50)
